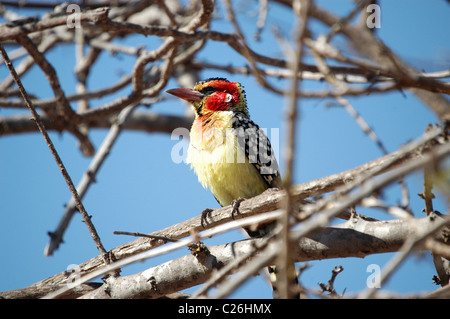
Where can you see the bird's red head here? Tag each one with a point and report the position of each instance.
(214, 94)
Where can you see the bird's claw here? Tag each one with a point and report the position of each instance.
(235, 204)
(205, 213)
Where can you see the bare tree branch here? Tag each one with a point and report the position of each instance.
(77, 199)
(87, 179)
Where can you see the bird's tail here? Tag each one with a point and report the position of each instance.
(292, 281)
(262, 230)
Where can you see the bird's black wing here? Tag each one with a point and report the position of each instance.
(258, 150)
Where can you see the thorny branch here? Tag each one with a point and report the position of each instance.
(182, 32)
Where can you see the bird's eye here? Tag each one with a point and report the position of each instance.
(228, 98)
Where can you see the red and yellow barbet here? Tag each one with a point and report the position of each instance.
(229, 153)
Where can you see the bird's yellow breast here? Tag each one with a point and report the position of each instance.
(220, 164)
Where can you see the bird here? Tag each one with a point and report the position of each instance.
(230, 154)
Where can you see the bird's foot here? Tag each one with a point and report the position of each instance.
(235, 204)
(205, 213)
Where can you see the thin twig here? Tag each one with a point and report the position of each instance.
(262, 15)
(362, 123)
(330, 286)
(245, 50)
(336, 28)
(370, 132)
(286, 271)
(79, 204)
(51, 75)
(64, 109)
(25, 65)
(135, 234)
(88, 178)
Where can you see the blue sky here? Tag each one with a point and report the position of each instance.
(140, 188)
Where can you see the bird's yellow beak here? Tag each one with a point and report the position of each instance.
(187, 94)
